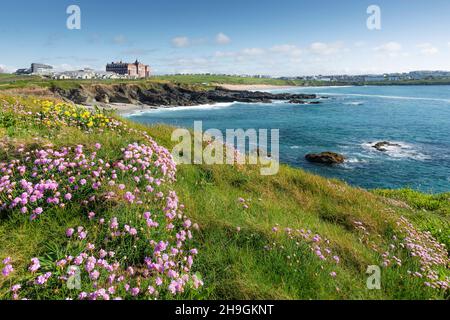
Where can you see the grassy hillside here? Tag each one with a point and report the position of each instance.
(289, 236)
(8, 82)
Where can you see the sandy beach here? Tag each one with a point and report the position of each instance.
(254, 87)
(124, 109)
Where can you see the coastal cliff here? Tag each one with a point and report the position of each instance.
(167, 95)
(88, 187)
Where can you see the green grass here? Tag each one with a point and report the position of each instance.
(11, 81)
(255, 262)
(20, 82)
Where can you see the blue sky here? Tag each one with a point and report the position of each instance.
(283, 37)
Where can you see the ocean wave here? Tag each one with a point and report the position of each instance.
(354, 103)
(181, 108)
(295, 147)
(398, 150)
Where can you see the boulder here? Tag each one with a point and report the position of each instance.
(381, 146)
(325, 158)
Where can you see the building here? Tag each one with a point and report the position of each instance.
(136, 69)
(23, 71)
(374, 78)
(41, 69)
(86, 74)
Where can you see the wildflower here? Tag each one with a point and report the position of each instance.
(42, 279)
(35, 265)
(69, 232)
(135, 292)
(151, 290)
(94, 275)
(16, 288)
(82, 235)
(7, 270)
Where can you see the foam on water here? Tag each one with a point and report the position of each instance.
(181, 108)
(398, 150)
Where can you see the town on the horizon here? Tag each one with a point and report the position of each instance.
(138, 70)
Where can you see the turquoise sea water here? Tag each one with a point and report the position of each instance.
(349, 122)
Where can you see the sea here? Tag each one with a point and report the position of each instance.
(350, 120)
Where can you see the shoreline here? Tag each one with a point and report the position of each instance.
(129, 109)
(126, 110)
(255, 87)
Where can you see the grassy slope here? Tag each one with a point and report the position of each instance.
(236, 264)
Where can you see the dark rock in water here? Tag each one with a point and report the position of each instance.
(381, 146)
(325, 158)
(297, 101)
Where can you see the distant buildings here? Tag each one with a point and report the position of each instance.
(37, 69)
(117, 70)
(41, 69)
(134, 70)
(86, 74)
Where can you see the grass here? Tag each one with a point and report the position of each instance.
(11, 81)
(240, 255)
(8, 82)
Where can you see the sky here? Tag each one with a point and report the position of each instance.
(269, 37)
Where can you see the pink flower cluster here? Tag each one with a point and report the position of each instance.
(318, 245)
(430, 253)
(7, 267)
(47, 178)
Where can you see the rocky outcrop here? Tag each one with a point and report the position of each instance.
(325, 158)
(168, 95)
(297, 101)
(381, 146)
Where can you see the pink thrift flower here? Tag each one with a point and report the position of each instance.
(35, 265)
(69, 232)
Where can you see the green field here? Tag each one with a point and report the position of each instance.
(247, 240)
(20, 82)
(8, 81)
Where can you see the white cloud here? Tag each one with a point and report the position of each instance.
(6, 69)
(427, 49)
(120, 39)
(222, 38)
(392, 49)
(253, 51)
(181, 42)
(222, 54)
(289, 49)
(359, 44)
(322, 48)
